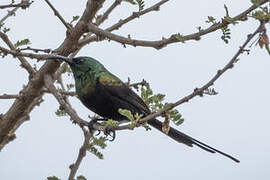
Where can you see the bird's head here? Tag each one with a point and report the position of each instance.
(79, 65)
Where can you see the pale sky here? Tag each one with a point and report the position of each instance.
(235, 121)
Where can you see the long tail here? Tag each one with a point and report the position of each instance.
(185, 139)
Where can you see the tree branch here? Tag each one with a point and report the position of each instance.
(66, 93)
(57, 14)
(9, 96)
(13, 51)
(71, 112)
(24, 117)
(74, 167)
(10, 13)
(199, 91)
(18, 54)
(106, 14)
(23, 4)
(102, 34)
(35, 86)
(134, 15)
(36, 50)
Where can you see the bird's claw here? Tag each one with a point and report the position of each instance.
(109, 131)
(91, 126)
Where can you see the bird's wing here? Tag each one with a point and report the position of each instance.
(115, 87)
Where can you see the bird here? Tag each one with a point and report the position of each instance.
(104, 93)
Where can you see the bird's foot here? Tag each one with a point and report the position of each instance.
(109, 131)
(91, 125)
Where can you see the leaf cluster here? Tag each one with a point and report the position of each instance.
(61, 111)
(22, 43)
(263, 14)
(140, 3)
(156, 102)
(226, 34)
(95, 144)
(134, 119)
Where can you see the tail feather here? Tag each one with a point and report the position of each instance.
(185, 139)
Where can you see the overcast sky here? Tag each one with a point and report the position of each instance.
(235, 121)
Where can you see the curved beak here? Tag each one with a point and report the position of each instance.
(55, 57)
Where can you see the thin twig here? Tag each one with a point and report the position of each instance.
(98, 22)
(74, 167)
(23, 4)
(199, 91)
(135, 85)
(106, 14)
(9, 96)
(22, 54)
(36, 50)
(57, 14)
(23, 61)
(134, 15)
(66, 93)
(10, 13)
(71, 112)
(102, 34)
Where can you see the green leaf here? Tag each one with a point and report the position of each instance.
(225, 34)
(74, 18)
(22, 43)
(112, 123)
(133, 118)
(176, 117)
(5, 30)
(140, 3)
(226, 10)
(211, 19)
(179, 37)
(53, 178)
(255, 2)
(61, 112)
(91, 148)
(81, 177)
(262, 14)
(100, 141)
(126, 113)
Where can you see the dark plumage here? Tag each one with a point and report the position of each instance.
(103, 93)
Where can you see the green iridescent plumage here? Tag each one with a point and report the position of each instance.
(104, 93)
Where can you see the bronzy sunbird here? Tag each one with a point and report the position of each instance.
(104, 93)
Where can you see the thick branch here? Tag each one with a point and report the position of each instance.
(35, 86)
(24, 117)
